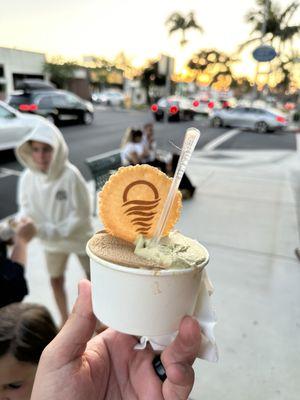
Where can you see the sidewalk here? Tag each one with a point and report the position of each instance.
(244, 212)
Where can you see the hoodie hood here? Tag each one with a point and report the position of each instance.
(44, 132)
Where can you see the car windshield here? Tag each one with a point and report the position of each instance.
(5, 113)
(162, 102)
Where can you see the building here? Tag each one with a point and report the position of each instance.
(16, 65)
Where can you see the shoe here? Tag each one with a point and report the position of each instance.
(297, 252)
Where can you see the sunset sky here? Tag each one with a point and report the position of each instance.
(73, 28)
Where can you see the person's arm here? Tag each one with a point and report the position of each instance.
(140, 155)
(129, 154)
(19, 252)
(107, 366)
(133, 158)
(25, 232)
(24, 207)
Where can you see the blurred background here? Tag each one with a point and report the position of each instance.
(231, 69)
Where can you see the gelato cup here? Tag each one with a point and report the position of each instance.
(143, 302)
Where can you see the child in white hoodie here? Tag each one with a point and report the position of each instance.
(54, 194)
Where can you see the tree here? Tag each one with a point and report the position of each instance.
(124, 63)
(277, 26)
(178, 22)
(60, 72)
(215, 66)
(286, 73)
(151, 78)
(271, 25)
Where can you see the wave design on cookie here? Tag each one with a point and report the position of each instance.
(144, 210)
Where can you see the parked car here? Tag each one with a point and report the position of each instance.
(178, 108)
(205, 105)
(202, 106)
(34, 84)
(109, 98)
(53, 104)
(14, 125)
(249, 117)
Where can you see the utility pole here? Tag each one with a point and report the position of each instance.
(263, 32)
(167, 86)
(168, 78)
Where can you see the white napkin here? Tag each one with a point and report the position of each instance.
(206, 317)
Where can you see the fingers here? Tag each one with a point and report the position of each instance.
(178, 359)
(71, 341)
(185, 347)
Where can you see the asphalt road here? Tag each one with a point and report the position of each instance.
(107, 130)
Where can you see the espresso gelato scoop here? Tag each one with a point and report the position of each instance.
(118, 251)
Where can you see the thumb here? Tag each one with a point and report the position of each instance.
(70, 343)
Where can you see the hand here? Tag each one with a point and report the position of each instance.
(26, 230)
(75, 367)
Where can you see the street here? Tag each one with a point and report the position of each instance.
(106, 132)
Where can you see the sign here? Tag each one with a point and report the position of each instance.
(165, 65)
(264, 53)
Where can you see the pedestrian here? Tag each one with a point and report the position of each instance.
(54, 194)
(76, 365)
(13, 285)
(168, 165)
(25, 330)
(165, 165)
(133, 150)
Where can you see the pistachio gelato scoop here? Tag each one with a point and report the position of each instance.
(173, 251)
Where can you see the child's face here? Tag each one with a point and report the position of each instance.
(137, 139)
(16, 378)
(42, 155)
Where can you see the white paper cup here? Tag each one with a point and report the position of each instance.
(143, 302)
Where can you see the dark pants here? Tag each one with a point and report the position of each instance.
(185, 182)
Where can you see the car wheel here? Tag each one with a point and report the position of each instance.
(51, 119)
(217, 122)
(158, 117)
(175, 117)
(261, 127)
(88, 118)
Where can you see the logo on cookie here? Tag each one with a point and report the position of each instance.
(61, 195)
(143, 211)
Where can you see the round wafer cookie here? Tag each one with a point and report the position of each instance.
(132, 200)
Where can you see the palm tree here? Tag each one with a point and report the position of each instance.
(277, 26)
(271, 25)
(178, 22)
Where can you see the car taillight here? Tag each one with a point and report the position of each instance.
(280, 119)
(154, 107)
(173, 109)
(211, 104)
(196, 103)
(28, 107)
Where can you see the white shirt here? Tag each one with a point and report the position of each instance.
(130, 148)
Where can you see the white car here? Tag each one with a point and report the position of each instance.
(14, 125)
(109, 98)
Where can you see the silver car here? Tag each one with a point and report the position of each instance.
(109, 98)
(14, 125)
(249, 117)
